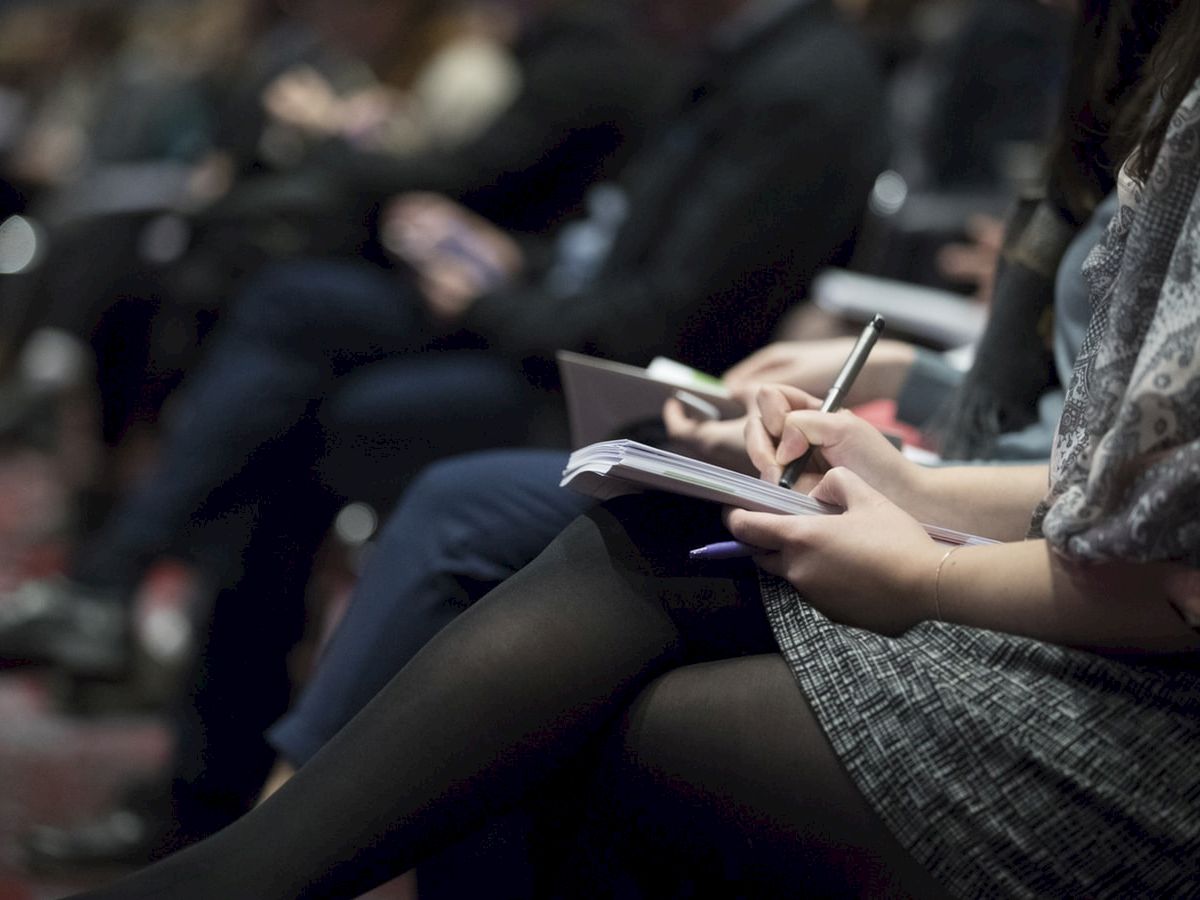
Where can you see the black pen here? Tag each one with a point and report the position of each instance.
(841, 387)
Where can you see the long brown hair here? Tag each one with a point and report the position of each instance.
(1173, 69)
(1104, 103)
(1118, 61)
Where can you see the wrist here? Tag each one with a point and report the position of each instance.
(911, 487)
(925, 583)
(940, 577)
(920, 590)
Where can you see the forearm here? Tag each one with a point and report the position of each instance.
(883, 375)
(1026, 588)
(989, 500)
(813, 366)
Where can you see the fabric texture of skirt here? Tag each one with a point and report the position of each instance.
(1006, 766)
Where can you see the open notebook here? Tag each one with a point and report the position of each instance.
(612, 468)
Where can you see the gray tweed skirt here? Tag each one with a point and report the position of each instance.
(1009, 767)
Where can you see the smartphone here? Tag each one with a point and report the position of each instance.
(697, 406)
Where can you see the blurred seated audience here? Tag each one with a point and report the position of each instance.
(755, 179)
(614, 685)
(972, 94)
(144, 283)
(421, 576)
(418, 219)
(450, 540)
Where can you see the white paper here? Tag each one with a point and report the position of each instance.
(611, 468)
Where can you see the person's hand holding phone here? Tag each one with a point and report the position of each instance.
(456, 255)
(812, 366)
(303, 98)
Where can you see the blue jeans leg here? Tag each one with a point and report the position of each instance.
(392, 418)
(294, 332)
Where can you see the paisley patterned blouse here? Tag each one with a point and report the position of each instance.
(1125, 472)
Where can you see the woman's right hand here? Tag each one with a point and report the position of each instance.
(790, 420)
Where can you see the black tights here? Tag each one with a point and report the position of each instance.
(611, 647)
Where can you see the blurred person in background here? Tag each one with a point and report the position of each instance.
(138, 271)
(178, 117)
(586, 83)
(743, 192)
(1092, 602)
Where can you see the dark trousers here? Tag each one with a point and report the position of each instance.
(463, 526)
(318, 390)
(301, 345)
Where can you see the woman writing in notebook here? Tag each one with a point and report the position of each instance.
(859, 712)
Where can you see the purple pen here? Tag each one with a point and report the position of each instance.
(724, 550)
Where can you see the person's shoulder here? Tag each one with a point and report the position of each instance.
(588, 24)
(811, 53)
(810, 35)
(590, 42)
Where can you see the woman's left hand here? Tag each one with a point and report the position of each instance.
(872, 566)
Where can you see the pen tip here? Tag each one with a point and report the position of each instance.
(878, 322)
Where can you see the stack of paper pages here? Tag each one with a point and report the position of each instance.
(612, 468)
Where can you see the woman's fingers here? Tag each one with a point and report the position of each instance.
(841, 487)
(803, 429)
(826, 431)
(776, 401)
(760, 447)
(774, 404)
(770, 531)
(773, 408)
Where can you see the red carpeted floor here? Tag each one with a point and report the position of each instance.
(64, 756)
(60, 769)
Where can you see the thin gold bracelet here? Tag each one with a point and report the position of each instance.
(937, 581)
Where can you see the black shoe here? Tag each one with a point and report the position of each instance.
(57, 622)
(123, 837)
